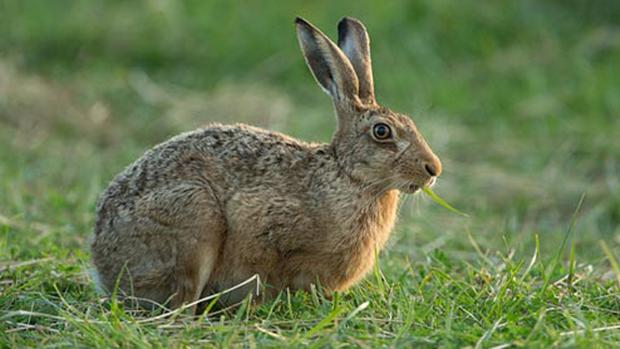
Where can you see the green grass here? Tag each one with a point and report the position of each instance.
(521, 101)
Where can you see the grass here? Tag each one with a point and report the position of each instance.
(521, 101)
(441, 202)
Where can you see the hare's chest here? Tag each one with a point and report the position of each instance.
(290, 245)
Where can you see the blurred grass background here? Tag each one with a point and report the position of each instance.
(521, 100)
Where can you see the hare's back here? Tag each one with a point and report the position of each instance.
(223, 157)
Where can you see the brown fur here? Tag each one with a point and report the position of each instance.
(208, 209)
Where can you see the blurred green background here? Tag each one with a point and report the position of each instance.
(520, 99)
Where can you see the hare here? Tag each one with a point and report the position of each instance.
(210, 208)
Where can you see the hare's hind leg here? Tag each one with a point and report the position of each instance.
(194, 269)
(195, 227)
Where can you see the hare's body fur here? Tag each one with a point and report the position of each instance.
(203, 208)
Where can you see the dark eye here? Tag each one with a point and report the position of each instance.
(381, 131)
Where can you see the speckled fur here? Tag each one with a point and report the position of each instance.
(210, 208)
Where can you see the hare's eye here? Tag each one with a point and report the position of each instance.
(381, 131)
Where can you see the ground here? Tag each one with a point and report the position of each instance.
(521, 101)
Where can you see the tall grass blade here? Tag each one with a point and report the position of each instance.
(442, 202)
(612, 260)
(556, 260)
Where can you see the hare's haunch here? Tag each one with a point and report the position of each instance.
(209, 209)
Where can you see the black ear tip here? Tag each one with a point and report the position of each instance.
(299, 20)
(350, 22)
(343, 28)
(349, 19)
(343, 22)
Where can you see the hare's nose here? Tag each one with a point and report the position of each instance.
(433, 166)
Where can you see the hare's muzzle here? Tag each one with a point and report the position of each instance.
(431, 167)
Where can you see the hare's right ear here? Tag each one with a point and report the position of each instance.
(330, 67)
(355, 44)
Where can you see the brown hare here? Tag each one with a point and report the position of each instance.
(210, 208)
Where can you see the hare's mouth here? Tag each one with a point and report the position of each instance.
(414, 187)
(411, 188)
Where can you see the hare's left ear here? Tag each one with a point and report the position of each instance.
(353, 40)
(330, 67)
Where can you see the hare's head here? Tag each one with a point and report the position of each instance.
(373, 144)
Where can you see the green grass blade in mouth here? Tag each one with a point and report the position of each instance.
(441, 201)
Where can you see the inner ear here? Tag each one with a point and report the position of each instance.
(323, 73)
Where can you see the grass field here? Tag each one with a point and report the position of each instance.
(520, 99)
